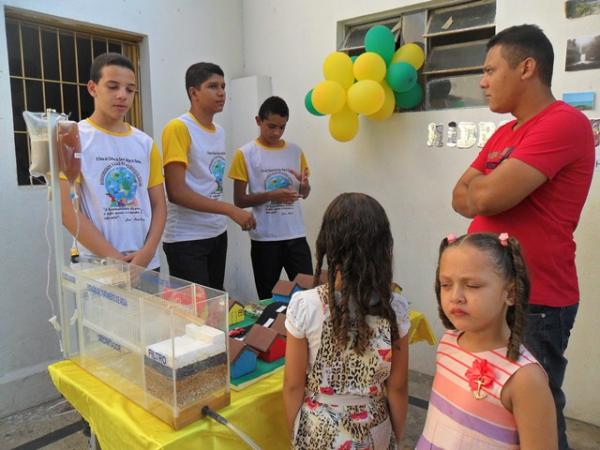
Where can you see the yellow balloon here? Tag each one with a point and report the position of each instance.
(328, 97)
(369, 66)
(338, 67)
(343, 125)
(365, 97)
(388, 104)
(410, 53)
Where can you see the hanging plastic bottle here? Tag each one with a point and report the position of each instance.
(69, 149)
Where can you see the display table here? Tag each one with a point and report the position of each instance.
(120, 424)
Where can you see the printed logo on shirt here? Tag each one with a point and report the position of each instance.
(217, 170)
(121, 184)
(495, 157)
(278, 180)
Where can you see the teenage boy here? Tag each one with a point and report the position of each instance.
(195, 239)
(271, 175)
(121, 193)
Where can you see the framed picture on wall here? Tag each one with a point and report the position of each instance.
(583, 53)
(583, 101)
(580, 8)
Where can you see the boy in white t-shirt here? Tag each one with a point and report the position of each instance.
(271, 176)
(121, 192)
(195, 238)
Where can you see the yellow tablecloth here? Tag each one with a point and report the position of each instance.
(120, 424)
(420, 330)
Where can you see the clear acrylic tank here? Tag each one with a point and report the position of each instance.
(158, 340)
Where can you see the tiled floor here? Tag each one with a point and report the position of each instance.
(55, 426)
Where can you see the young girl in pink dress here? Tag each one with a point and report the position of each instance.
(489, 392)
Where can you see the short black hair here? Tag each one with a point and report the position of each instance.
(273, 105)
(526, 41)
(198, 73)
(108, 59)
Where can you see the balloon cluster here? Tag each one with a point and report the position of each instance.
(372, 84)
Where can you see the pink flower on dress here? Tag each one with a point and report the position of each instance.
(311, 404)
(480, 374)
(386, 354)
(327, 390)
(361, 415)
(373, 390)
(346, 446)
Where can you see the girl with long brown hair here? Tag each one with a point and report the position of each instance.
(346, 365)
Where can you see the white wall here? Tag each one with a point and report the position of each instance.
(389, 160)
(179, 33)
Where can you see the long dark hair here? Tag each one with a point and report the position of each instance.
(356, 240)
(509, 262)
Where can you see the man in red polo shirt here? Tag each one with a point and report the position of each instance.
(531, 179)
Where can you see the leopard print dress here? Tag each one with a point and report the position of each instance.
(344, 406)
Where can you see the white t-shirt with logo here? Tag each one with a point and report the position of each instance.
(266, 169)
(202, 150)
(117, 169)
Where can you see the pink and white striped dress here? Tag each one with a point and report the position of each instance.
(456, 420)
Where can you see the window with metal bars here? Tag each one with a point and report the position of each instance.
(453, 35)
(49, 67)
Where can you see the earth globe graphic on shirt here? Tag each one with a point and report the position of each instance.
(277, 181)
(121, 186)
(217, 169)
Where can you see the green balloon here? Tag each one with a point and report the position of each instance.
(401, 76)
(380, 39)
(353, 58)
(309, 105)
(411, 98)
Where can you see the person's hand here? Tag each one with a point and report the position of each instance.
(284, 195)
(140, 258)
(302, 177)
(243, 218)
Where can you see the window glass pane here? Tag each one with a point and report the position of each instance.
(454, 92)
(67, 57)
(355, 38)
(22, 156)
(14, 49)
(87, 102)
(50, 55)
(70, 101)
(456, 56)
(35, 96)
(31, 51)
(18, 104)
(84, 58)
(99, 47)
(114, 47)
(413, 26)
(356, 35)
(462, 17)
(53, 96)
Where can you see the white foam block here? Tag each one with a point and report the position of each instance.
(205, 333)
(187, 351)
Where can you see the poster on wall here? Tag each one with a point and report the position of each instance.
(583, 53)
(580, 8)
(584, 101)
(596, 129)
